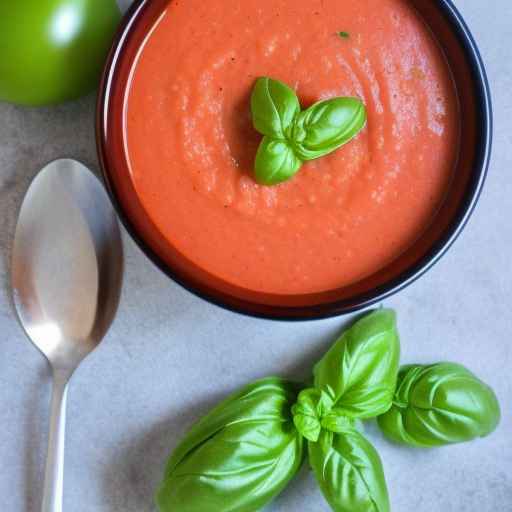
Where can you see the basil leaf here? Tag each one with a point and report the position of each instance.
(361, 367)
(292, 136)
(349, 472)
(327, 125)
(238, 457)
(275, 162)
(312, 405)
(336, 421)
(274, 107)
(440, 404)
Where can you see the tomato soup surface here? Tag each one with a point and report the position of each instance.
(190, 142)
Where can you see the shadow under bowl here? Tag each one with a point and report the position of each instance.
(468, 72)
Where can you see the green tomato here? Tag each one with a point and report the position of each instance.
(53, 50)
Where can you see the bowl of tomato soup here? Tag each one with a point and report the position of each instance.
(177, 147)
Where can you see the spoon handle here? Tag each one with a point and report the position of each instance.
(54, 473)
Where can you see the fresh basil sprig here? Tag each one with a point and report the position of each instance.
(440, 404)
(245, 451)
(292, 137)
(355, 379)
(239, 456)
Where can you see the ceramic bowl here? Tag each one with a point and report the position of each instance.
(470, 79)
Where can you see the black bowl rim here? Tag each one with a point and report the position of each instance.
(358, 302)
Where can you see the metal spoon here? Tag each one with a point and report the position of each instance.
(67, 267)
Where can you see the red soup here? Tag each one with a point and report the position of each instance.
(191, 145)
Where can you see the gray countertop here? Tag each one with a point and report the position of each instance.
(170, 356)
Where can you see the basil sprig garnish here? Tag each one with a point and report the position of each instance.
(246, 450)
(440, 404)
(292, 136)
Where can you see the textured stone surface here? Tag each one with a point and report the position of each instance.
(169, 356)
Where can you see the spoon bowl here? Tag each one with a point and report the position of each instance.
(67, 267)
(67, 263)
